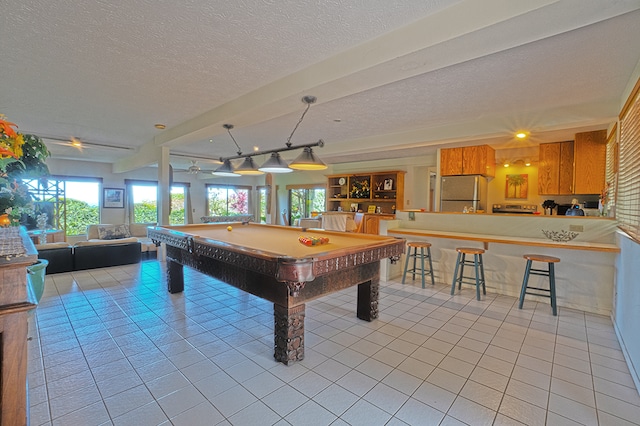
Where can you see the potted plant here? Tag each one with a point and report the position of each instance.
(21, 157)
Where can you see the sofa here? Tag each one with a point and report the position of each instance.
(106, 245)
(105, 234)
(219, 219)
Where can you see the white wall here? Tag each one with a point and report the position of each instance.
(626, 314)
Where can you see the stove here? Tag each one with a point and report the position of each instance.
(515, 208)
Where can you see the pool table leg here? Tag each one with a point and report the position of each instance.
(175, 276)
(288, 333)
(368, 299)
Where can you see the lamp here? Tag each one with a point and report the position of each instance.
(275, 164)
(225, 170)
(307, 160)
(248, 167)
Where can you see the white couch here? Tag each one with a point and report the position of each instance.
(105, 234)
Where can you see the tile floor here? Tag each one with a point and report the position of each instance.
(112, 347)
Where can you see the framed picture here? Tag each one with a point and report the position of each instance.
(354, 207)
(113, 198)
(371, 209)
(388, 184)
(516, 186)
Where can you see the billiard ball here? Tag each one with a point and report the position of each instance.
(229, 228)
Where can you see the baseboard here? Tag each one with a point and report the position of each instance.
(627, 357)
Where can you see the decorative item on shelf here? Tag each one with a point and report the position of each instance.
(378, 186)
(21, 157)
(560, 236)
(388, 184)
(360, 189)
(307, 160)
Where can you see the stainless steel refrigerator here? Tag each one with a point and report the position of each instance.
(458, 192)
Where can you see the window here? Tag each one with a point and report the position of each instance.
(144, 196)
(628, 191)
(263, 195)
(304, 200)
(145, 203)
(70, 203)
(227, 200)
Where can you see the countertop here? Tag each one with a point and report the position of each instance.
(501, 239)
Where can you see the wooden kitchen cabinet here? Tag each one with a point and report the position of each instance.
(555, 168)
(468, 160)
(573, 167)
(590, 158)
(451, 161)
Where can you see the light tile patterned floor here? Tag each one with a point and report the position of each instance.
(112, 347)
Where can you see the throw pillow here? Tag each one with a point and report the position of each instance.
(113, 232)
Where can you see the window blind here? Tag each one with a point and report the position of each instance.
(628, 192)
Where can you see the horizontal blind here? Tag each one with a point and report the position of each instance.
(628, 194)
(611, 173)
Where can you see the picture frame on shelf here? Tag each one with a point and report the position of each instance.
(113, 198)
(388, 184)
(354, 207)
(371, 209)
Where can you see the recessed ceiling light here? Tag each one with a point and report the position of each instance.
(160, 126)
(256, 148)
(337, 120)
(521, 135)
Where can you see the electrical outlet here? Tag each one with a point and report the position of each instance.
(576, 228)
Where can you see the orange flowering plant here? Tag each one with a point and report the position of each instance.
(21, 156)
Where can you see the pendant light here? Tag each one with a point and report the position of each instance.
(307, 160)
(275, 164)
(248, 167)
(226, 169)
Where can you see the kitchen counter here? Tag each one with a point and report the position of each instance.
(584, 276)
(486, 239)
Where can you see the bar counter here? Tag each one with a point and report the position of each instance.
(584, 276)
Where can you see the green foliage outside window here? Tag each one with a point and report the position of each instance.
(79, 215)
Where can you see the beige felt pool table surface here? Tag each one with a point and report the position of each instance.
(273, 240)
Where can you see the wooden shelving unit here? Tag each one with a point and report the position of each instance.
(383, 190)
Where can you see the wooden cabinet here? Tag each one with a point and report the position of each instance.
(555, 168)
(468, 160)
(379, 189)
(451, 161)
(573, 167)
(590, 158)
(371, 222)
(16, 299)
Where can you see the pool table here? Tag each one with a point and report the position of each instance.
(270, 262)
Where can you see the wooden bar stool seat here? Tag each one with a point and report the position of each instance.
(549, 272)
(415, 245)
(461, 262)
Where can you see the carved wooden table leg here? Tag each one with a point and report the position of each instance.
(288, 333)
(175, 276)
(368, 299)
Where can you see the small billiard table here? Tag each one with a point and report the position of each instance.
(270, 262)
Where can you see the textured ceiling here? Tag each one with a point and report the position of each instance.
(401, 77)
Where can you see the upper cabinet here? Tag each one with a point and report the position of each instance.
(555, 168)
(468, 160)
(590, 157)
(380, 189)
(573, 167)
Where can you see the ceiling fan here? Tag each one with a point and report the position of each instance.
(193, 169)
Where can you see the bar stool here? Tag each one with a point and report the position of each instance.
(549, 272)
(461, 262)
(422, 256)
